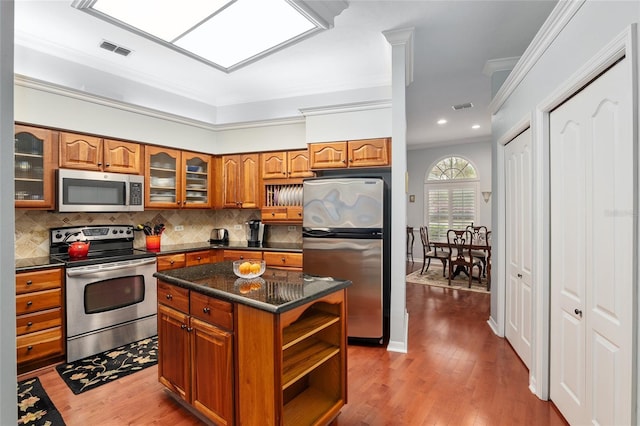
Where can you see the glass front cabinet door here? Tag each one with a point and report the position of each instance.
(35, 154)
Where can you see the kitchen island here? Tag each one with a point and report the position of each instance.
(268, 351)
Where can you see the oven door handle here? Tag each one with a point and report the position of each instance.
(82, 271)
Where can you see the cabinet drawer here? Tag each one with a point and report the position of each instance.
(212, 310)
(171, 261)
(174, 296)
(278, 259)
(38, 345)
(198, 257)
(28, 323)
(27, 282)
(41, 300)
(242, 254)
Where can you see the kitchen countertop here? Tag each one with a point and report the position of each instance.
(34, 263)
(279, 290)
(231, 245)
(44, 262)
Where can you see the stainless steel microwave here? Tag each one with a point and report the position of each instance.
(89, 191)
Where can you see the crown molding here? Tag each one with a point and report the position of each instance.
(502, 64)
(403, 37)
(557, 20)
(23, 81)
(352, 107)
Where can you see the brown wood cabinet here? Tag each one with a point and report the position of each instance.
(85, 152)
(283, 260)
(285, 164)
(196, 356)
(304, 383)
(177, 179)
(36, 158)
(346, 154)
(240, 181)
(39, 318)
(231, 255)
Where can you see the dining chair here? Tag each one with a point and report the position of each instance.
(410, 240)
(431, 252)
(460, 256)
(480, 237)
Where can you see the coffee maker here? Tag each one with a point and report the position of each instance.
(255, 233)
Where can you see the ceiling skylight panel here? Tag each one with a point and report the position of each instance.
(245, 29)
(165, 19)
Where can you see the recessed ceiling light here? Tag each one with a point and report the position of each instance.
(475, 126)
(442, 121)
(226, 34)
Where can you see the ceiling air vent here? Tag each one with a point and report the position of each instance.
(111, 47)
(462, 106)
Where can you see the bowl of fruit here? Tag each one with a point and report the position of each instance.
(249, 268)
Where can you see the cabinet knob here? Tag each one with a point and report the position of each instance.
(169, 297)
(29, 324)
(183, 326)
(99, 164)
(189, 329)
(107, 165)
(198, 258)
(283, 260)
(29, 303)
(206, 309)
(241, 257)
(178, 202)
(172, 261)
(273, 214)
(519, 275)
(351, 160)
(284, 173)
(344, 161)
(29, 282)
(29, 347)
(578, 312)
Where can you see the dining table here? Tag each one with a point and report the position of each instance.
(445, 246)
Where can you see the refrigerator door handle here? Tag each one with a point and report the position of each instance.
(317, 233)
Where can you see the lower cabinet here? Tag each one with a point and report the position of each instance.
(195, 350)
(304, 382)
(39, 333)
(283, 260)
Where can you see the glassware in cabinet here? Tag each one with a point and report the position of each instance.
(34, 153)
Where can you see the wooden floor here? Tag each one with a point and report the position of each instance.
(456, 372)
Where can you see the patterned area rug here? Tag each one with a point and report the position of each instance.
(93, 371)
(35, 407)
(433, 277)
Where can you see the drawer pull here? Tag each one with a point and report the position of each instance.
(171, 262)
(29, 303)
(283, 260)
(183, 326)
(29, 282)
(206, 309)
(29, 324)
(29, 347)
(169, 297)
(198, 258)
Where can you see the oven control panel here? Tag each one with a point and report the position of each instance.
(70, 234)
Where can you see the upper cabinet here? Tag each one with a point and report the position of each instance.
(240, 181)
(35, 163)
(346, 154)
(177, 179)
(285, 165)
(93, 153)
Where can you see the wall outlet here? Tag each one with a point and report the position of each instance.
(178, 228)
(237, 226)
(291, 228)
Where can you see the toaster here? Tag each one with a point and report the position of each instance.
(219, 235)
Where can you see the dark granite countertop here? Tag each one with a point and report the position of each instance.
(34, 263)
(278, 291)
(231, 245)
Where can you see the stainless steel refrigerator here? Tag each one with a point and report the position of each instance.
(343, 229)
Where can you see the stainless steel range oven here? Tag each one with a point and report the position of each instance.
(111, 295)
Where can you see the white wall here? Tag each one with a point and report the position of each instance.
(420, 161)
(8, 412)
(348, 124)
(575, 33)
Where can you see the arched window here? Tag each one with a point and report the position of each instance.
(450, 196)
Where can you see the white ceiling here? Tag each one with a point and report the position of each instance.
(350, 63)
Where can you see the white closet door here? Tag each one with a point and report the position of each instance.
(592, 192)
(518, 188)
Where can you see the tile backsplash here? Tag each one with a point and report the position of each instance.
(32, 226)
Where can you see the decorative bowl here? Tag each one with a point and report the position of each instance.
(249, 268)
